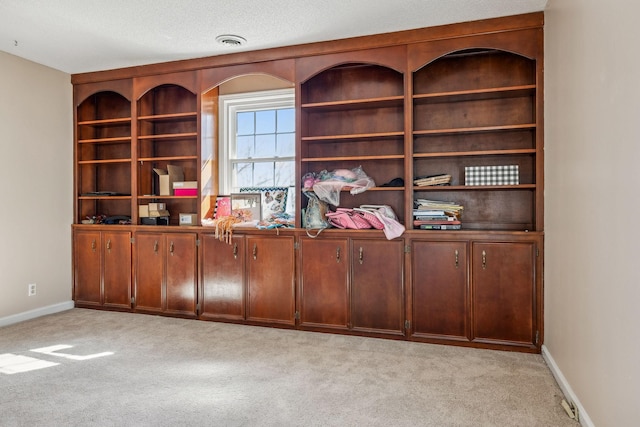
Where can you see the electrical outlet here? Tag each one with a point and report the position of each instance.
(32, 289)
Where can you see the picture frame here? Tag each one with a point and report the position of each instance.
(273, 199)
(246, 206)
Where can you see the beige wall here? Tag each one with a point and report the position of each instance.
(592, 200)
(36, 172)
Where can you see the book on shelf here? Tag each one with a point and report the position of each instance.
(429, 208)
(425, 181)
(440, 226)
(428, 212)
(434, 217)
(453, 221)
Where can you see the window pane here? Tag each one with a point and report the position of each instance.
(266, 121)
(243, 174)
(244, 123)
(286, 120)
(265, 145)
(245, 147)
(285, 174)
(263, 174)
(286, 145)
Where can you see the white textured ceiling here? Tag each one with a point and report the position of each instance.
(78, 36)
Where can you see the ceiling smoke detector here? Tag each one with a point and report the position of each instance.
(231, 40)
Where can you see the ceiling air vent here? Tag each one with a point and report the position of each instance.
(231, 40)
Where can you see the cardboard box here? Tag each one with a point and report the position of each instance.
(143, 211)
(185, 192)
(157, 207)
(185, 184)
(188, 219)
(155, 214)
(166, 178)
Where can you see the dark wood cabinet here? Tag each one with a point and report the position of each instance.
(102, 269)
(440, 299)
(505, 296)
(270, 269)
(377, 290)
(222, 292)
(324, 282)
(166, 273)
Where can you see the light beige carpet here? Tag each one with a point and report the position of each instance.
(124, 369)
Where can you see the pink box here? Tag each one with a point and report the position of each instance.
(185, 191)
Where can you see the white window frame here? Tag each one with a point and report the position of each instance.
(232, 104)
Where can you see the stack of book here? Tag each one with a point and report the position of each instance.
(424, 181)
(436, 215)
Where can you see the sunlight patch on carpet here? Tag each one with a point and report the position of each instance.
(53, 351)
(13, 364)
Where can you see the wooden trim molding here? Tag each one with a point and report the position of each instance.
(442, 32)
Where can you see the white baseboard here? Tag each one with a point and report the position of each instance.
(569, 395)
(38, 312)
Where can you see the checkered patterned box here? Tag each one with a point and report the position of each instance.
(492, 175)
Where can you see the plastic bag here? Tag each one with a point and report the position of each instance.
(330, 184)
(314, 216)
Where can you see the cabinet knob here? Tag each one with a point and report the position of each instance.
(255, 251)
(155, 247)
(109, 244)
(484, 260)
(361, 255)
(93, 245)
(457, 260)
(171, 248)
(235, 251)
(338, 254)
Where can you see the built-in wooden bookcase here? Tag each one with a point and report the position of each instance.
(103, 155)
(167, 125)
(402, 105)
(478, 107)
(352, 115)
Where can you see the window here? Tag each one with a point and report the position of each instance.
(257, 141)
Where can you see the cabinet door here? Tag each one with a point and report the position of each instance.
(377, 286)
(439, 289)
(503, 288)
(222, 278)
(149, 249)
(324, 291)
(270, 279)
(181, 274)
(117, 269)
(87, 268)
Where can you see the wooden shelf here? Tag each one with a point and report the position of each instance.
(168, 136)
(476, 153)
(166, 159)
(151, 197)
(359, 136)
(104, 197)
(106, 122)
(353, 158)
(103, 161)
(170, 117)
(474, 187)
(479, 129)
(352, 104)
(113, 140)
(476, 94)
